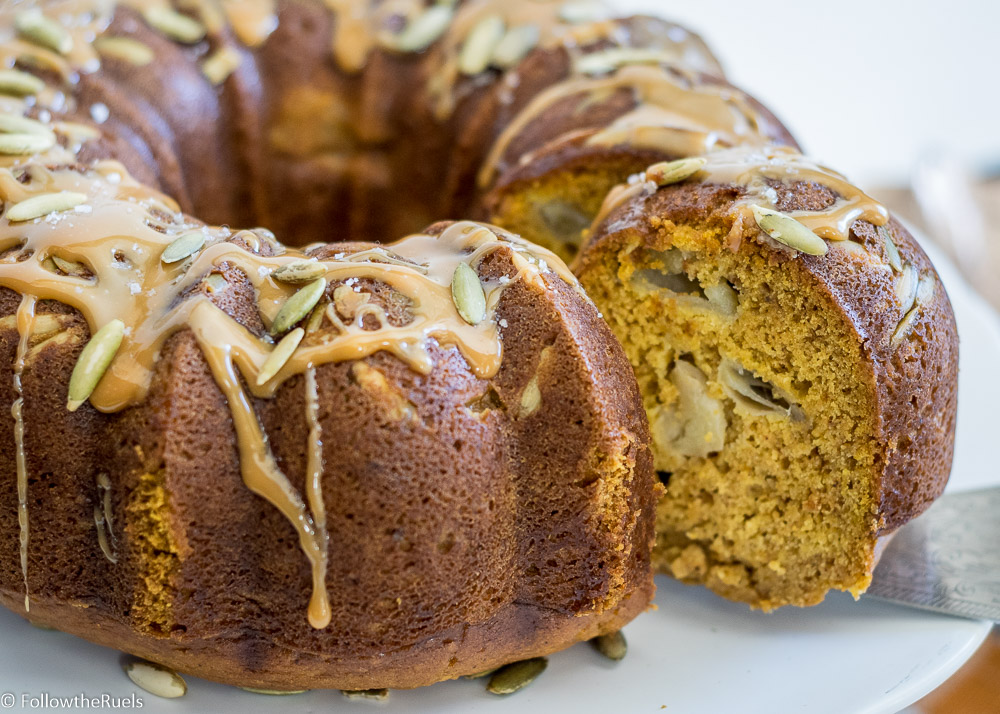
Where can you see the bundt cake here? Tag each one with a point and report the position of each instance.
(365, 465)
(453, 463)
(797, 356)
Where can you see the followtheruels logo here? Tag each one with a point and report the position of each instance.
(46, 701)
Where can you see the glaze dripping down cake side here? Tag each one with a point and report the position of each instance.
(797, 356)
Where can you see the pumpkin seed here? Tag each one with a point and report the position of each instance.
(891, 251)
(518, 675)
(17, 124)
(220, 64)
(480, 45)
(281, 353)
(185, 246)
(300, 272)
(68, 266)
(315, 320)
(925, 289)
(788, 231)
(298, 306)
(376, 694)
(923, 294)
(273, 692)
(93, 363)
(607, 61)
(903, 327)
(36, 58)
(16, 83)
(44, 31)
(531, 398)
(176, 26)
(44, 204)
(666, 173)
(125, 49)
(905, 286)
(581, 11)
(468, 295)
(612, 646)
(25, 144)
(424, 29)
(516, 45)
(156, 679)
(76, 133)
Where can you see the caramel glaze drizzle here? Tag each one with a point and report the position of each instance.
(673, 113)
(755, 169)
(314, 487)
(25, 326)
(362, 25)
(119, 234)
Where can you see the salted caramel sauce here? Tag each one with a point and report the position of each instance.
(670, 114)
(257, 463)
(754, 167)
(25, 328)
(320, 615)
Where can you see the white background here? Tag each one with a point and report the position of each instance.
(867, 86)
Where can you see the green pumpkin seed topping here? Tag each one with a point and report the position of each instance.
(176, 26)
(671, 172)
(281, 353)
(788, 231)
(44, 204)
(299, 272)
(16, 83)
(467, 292)
(516, 676)
(43, 31)
(94, 362)
(125, 49)
(612, 646)
(183, 247)
(298, 306)
(424, 29)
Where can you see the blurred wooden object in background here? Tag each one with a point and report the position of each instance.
(975, 689)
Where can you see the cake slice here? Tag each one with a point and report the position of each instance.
(797, 356)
